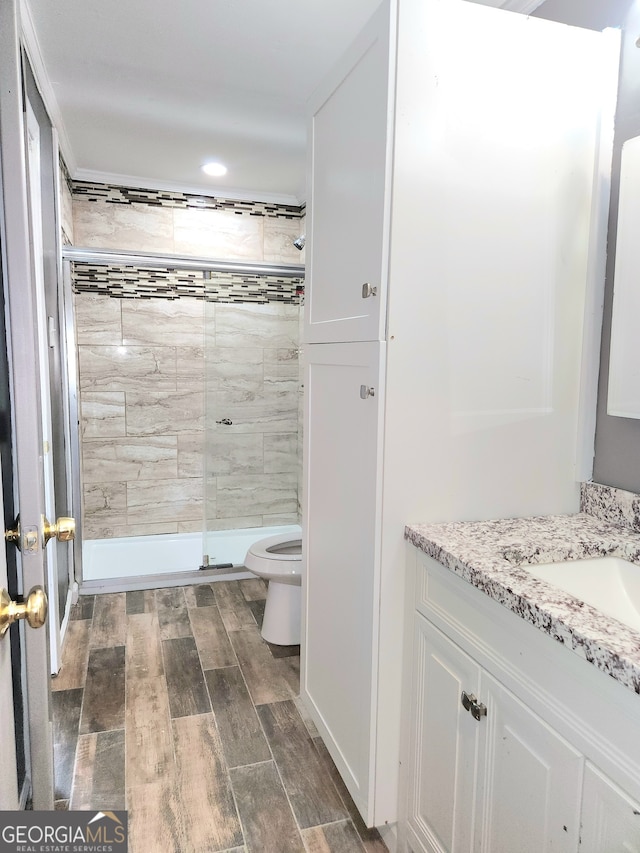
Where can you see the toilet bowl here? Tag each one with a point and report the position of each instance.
(278, 560)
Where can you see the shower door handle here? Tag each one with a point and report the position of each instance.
(368, 290)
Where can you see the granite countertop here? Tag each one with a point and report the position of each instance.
(488, 554)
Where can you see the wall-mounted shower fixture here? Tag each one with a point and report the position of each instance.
(300, 241)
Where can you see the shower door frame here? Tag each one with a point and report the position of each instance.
(113, 257)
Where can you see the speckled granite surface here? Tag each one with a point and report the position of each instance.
(488, 555)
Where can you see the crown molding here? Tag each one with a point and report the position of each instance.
(31, 47)
(132, 181)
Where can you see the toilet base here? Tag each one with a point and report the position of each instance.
(282, 614)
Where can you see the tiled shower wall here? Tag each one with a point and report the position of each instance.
(142, 375)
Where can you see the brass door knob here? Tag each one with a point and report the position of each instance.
(13, 535)
(34, 609)
(64, 530)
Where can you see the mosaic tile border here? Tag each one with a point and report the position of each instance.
(122, 282)
(112, 194)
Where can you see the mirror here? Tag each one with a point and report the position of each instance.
(624, 368)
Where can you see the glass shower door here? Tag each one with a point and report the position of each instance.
(252, 412)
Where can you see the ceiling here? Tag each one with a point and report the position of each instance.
(143, 92)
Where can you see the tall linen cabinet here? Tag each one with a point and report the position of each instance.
(455, 193)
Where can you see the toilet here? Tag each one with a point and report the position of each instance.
(278, 560)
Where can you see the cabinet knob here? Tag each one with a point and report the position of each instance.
(368, 290)
(365, 392)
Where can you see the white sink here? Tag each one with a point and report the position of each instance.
(610, 584)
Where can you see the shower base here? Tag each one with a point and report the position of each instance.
(136, 562)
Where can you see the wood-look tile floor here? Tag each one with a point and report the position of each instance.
(171, 705)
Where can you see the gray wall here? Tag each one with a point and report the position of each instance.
(617, 448)
(592, 14)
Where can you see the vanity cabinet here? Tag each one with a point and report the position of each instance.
(503, 779)
(449, 226)
(484, 767)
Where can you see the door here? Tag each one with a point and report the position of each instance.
(347, 218)
(41, 158)
(27, 462)
(532, 781)
(341, 552)
(12, 784)
(444, 742)
(610, 818)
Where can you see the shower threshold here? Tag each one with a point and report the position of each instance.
(174, 559)
(160, 581)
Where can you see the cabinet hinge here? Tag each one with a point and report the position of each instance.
(470, 703)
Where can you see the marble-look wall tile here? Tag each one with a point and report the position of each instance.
(210, 497)
(98, 319)
(190, 366)
(228, 452)
(164, 500)
(217, 234)
(105, 530)
(165, 412)
(117, 368)
(175, 322)
(278, 518)
(191, 454)
(273, 410)
(103, 414)
(234, 368)
(125, 459)
(105, 502)
(281, 453)
(150, 528)
(281, 364)
(210, 324)
(250, 325)
(196, 525)
(239, 523)
(244, 494)
(279, 235)
(138, 227)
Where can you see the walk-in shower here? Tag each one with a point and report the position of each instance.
(188, 404)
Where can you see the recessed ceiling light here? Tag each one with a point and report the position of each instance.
(216, 170)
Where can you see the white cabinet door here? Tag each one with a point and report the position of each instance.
(347, 222)
(532, 780)
(610, 819)
(443, 743)
(341, 553)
